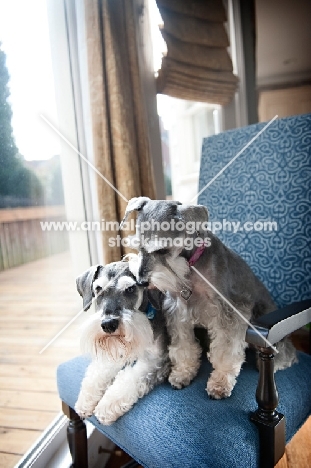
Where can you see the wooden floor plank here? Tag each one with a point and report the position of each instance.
(32, 320)
(25, 438)
(29, 335)
(8, 459)
(28, 371)
(26, 419)
(29, 400)
(38, 299)
(16, 357)
(46, 385)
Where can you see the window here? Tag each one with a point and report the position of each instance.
(183, 125)
(42, 181)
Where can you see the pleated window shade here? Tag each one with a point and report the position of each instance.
(197, 66)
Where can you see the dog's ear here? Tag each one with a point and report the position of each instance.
(135, 204)
(155, 297)
(196, 213)
(203, 212)
(84, 285)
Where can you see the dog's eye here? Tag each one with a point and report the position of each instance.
(130, 289)
(98, 289)
(162, 251)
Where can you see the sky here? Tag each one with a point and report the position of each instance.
(25, 40)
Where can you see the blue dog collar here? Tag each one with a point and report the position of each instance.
(151, 311)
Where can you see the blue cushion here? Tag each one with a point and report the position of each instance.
(269, 181)
(185, 429)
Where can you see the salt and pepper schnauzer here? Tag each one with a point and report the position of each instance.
(126, 339)
(190, 300)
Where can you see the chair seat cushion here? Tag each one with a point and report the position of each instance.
(186, 429)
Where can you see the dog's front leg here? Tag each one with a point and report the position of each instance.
(131, 383)
(184, 350)
(227, 354)
(97, 378)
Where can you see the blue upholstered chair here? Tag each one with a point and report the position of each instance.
(268, 181)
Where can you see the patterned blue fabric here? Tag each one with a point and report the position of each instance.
(269, 181)
(185, 429)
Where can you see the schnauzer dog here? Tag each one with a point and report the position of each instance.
(126, 339)
(172, 237)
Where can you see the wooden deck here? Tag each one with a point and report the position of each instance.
(37, 300)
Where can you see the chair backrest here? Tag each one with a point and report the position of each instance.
(268, 181)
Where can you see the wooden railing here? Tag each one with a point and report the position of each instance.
(21, 238)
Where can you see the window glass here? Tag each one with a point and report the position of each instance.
(37, 278)
(183, 125)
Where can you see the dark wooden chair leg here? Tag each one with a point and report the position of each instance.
(270, 423)
(77, 438)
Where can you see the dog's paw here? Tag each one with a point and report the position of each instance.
(180, 378)
(108, 412)
(84, 408)
(220, 385)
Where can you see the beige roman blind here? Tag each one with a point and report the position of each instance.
(197, 66)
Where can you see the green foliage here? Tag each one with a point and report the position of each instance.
(18, 184)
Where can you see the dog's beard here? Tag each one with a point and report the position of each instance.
(114, 347)
(132, 338)
(173, 277)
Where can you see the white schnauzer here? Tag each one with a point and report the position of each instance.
(126, 339)
(171, 238)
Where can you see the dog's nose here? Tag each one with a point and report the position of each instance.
(110, 325)
(143, 283)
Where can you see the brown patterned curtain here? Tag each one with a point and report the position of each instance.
(197, 66)
(120, 138)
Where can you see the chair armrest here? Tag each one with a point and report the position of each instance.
(279, 323)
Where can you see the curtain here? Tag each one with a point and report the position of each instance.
(197, 66)
(119, 122)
